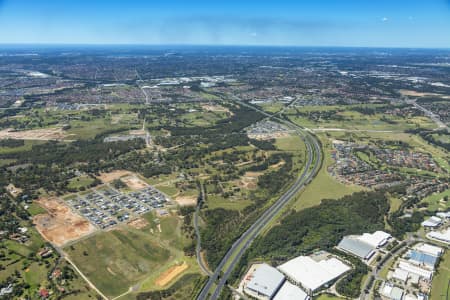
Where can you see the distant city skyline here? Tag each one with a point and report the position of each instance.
(351, 23)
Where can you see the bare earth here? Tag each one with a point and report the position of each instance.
(35, 134)
(249, 180)
(215, 107)
(269, 136)
(170, 274)
(138, 223)
(108, 177)
(13, 191)
(134, 183)
(186, 200)
(419, 94)
(60, 225)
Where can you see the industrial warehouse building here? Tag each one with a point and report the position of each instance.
(432, 222)
(377, 239)
(422, 259)
(313, 274)
(356, 247)
(265, 282)
(364, 246)
(289, 292)
(429, 249)
(441, 236)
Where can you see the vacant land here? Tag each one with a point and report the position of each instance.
(324, 186)
(186, 200)
(117, 259)
(82, 181)
(138, 223)
(136, 255)
(169, 275)
(60, 225)
(412, 93)
(111, 176)
(133, 182)
(437, 201)
(441, 280)
(35, 134)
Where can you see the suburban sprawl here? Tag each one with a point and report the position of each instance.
(224, 173)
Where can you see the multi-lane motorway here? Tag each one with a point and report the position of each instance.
(234, 254)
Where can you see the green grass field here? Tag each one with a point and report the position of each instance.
(324, 186)
(35, 209)
(27, 146)
(118, 259)
(216, 201)
(441, 280)
(357, 121)
(434, 201)
(327, 297)
(81, 181)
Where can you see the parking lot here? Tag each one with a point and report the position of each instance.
(108, 206)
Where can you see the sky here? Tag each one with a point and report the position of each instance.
(353, 23)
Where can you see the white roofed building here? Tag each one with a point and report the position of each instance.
(392, 292)
(265, 282)
(429, 249)
(410, 268)
(356, 247)
(377, 239)
(290, 292)
(444, 215)
(441, 236)
(400, 274)
(432, 222)
(311, 274)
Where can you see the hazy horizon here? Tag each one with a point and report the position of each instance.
(285, 23)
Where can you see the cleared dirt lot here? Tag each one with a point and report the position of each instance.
(213, 107)
(133, 182)
(108, 177)
(138, 223)
(268, 136)
(170, 274)
(60, 225)
(186, 200)
(249, 180)
(35, 134)
(420, 94)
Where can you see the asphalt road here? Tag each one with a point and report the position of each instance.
(198, 246)
(234, 254)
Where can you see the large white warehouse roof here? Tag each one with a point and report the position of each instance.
(429, 249)
(289, 292)
(443, 236)
(266, 280)
(311, 274)
(376, 239)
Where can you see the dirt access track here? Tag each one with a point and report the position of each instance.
(60, 225)
(35, 134)
(171, 274)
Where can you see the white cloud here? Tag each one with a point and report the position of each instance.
(384, 19)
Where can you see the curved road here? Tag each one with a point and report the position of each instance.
(234, 254)
(198, 246)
